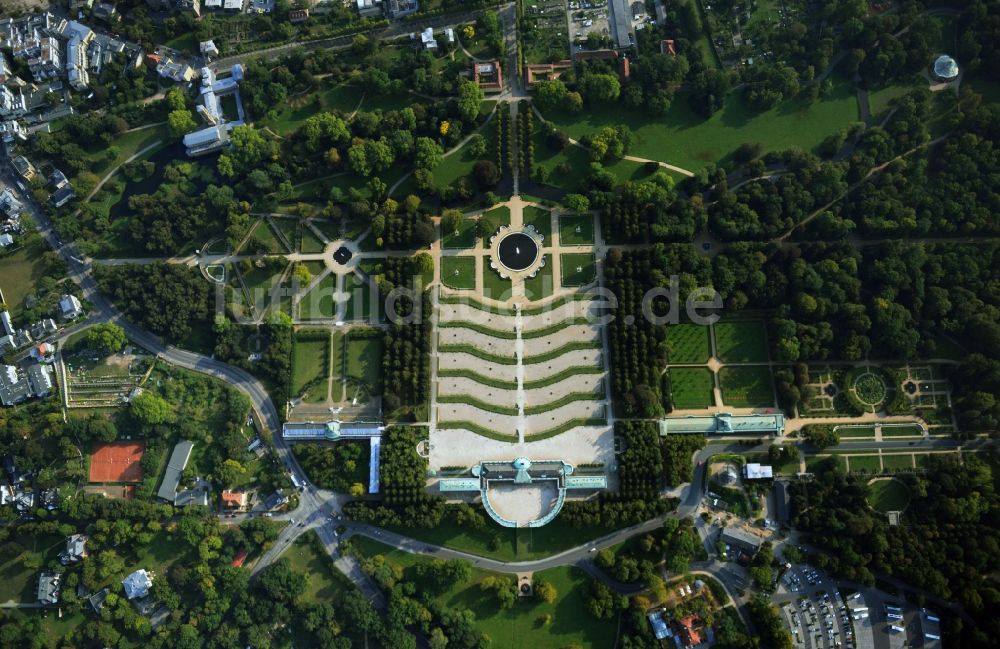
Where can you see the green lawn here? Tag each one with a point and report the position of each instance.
(576, 229)
(494, 286)
(262, 281)
(540, 286)
(18, 582)
(859, 431)
(459, 164)
(741, 342)
(578, 269)
(310, 360)
(310, 242)
(496, 217)
(323, 580)
(459, 272)
(20, 272)
(519, 627)
(868, 463)
(897, 461)
(464, 238)
(266, 238)
(684, 138)
(540, 218)
(364, 361)
(746, 387)
(578, 159)
(297, 109)
(901, 431)
(888, 495)
(691, 387)
(688, 343)
(359, 292)
(815, 464)
(319, 302)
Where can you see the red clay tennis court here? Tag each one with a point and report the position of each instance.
(116, 462)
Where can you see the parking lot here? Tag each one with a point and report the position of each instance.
(815, 612)
(585, 17)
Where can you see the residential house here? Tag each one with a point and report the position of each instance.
(179, 72)
(79, 37)
(10, 206)
(297, 16)
(208, 49)
(234, 499)
(40, 380)
(80, 5)
(14, 387)
(70, 307)
(689, 631)
(755, 471)
(47, 63)
(76, 550)
(48, 588)
(12, 103)
(6, 241)
(105, 11)
(12, 129)
(369, 8)
(96, 601)
(62, 196)
(275, 500)
(400, 8)
(23, 167)
(43, 328)
(58, 179)
(41, 352)
(188, 497)
(137, 584)
(427, 39)
(6, 323)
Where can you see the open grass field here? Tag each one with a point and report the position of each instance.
(888, 495)
(688, 343)
(576, 158)
(741, 341)
(323, 580)
(818, 463)
(517, 627)
(856, 431)
(465, 237)
(364, 361)
(540, 286)
(494, 286)
(576, 229)
(20, 273)
(901, 431)
(541, 219)
(359, 298)
(578, 269)
(310, 359)
(897, 461)
(496, 217)
(868, 463)
(310, 242)
(746, 387)
(265, 287)
(319, 302)
(458, 272)
(266, 239)
(691, 387)
(297, 109)
(684, 138)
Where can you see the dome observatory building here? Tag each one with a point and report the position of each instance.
(945, 68)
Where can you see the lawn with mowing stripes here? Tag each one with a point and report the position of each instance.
(540, 286)
(741, 341)
(310, 359)
(902, 431)
(691, 387)
(888, 495)
(494, 286)
(539, 218)
(465, 237)
(576, 229)
(746, 387)
(688, 343)
(459, 273)
(897, 460)
(578, 269)
(866, 463)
